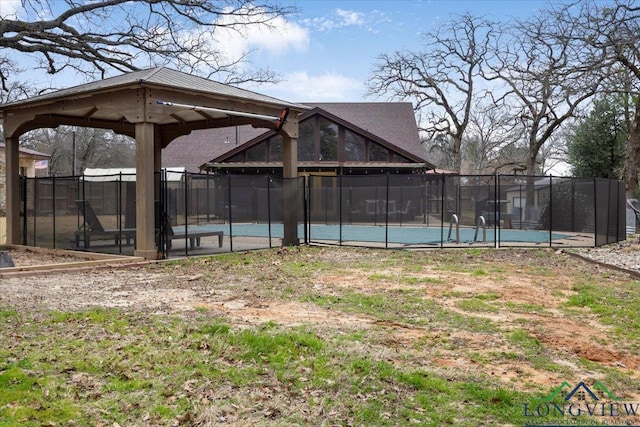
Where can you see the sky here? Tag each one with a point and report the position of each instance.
(326, 52)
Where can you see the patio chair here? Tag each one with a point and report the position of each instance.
(634, 204)
(406, 211)
(354, 213)
(93, 228)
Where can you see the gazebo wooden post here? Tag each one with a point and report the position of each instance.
(291, 205)
(12, 154)
(145, 191)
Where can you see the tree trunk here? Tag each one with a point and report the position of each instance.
(457, 154)
(632, 159)
(530, 189)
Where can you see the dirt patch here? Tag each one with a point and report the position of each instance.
(25, 260)
(27, 256)
(250, 293)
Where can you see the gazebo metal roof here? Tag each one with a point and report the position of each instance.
(161, 77)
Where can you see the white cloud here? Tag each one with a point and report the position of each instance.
(341, 18)
(9, 9)
(328, 87)
(276, 39)
(350, 17)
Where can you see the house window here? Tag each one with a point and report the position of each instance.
(378, 153)
(397, 158)
(305, 141)
(354, 147)
(238, 158)
(275, 148)
(257, 153)
(328, 141)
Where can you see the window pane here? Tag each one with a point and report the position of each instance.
(257, 153)
(238, 158)
(378, 153)
(328, 141)
(275, 148)
(397, 158)
(305, 142)
(354, 147)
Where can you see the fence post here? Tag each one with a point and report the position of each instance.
(340, 207)
(53, 210)
(550, 211)
(496, 221)
(186, 210)
(306, 208)
(609, 212)
(401, 203)
(35, 210)
(23, 181)
(119, 211)
(595, 212)
(442, 194)
(229, 213)
(386, 215)
(268, 208)
(84, 199)
(573, 205)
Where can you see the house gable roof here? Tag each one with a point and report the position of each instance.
(390, 124)
(394, 122)
(27, 152)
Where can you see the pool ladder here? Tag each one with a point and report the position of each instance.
(454, 220)
(481, 223)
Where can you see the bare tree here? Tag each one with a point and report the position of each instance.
(553, 152)
(81, 147)
(490, 135)
(102, 35)
(441, 151)
(544, 82)
(440, 79)
(609, 37)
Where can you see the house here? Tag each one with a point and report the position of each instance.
(335, 138)
(30, 162)
(516, 198)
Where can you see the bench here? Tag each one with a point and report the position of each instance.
(194, 235)
(85, 236)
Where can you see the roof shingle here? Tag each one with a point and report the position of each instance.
(392, 121)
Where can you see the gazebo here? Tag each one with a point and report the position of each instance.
(154, 106)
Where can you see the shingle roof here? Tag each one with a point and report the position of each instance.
(28, 152)
(392, 121)
(200, 146)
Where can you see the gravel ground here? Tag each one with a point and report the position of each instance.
(625, 254)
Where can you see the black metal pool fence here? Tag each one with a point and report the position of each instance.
(391, 211)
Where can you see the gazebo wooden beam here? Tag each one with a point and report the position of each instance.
(55, 120)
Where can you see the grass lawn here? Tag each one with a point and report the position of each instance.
(324, 336)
